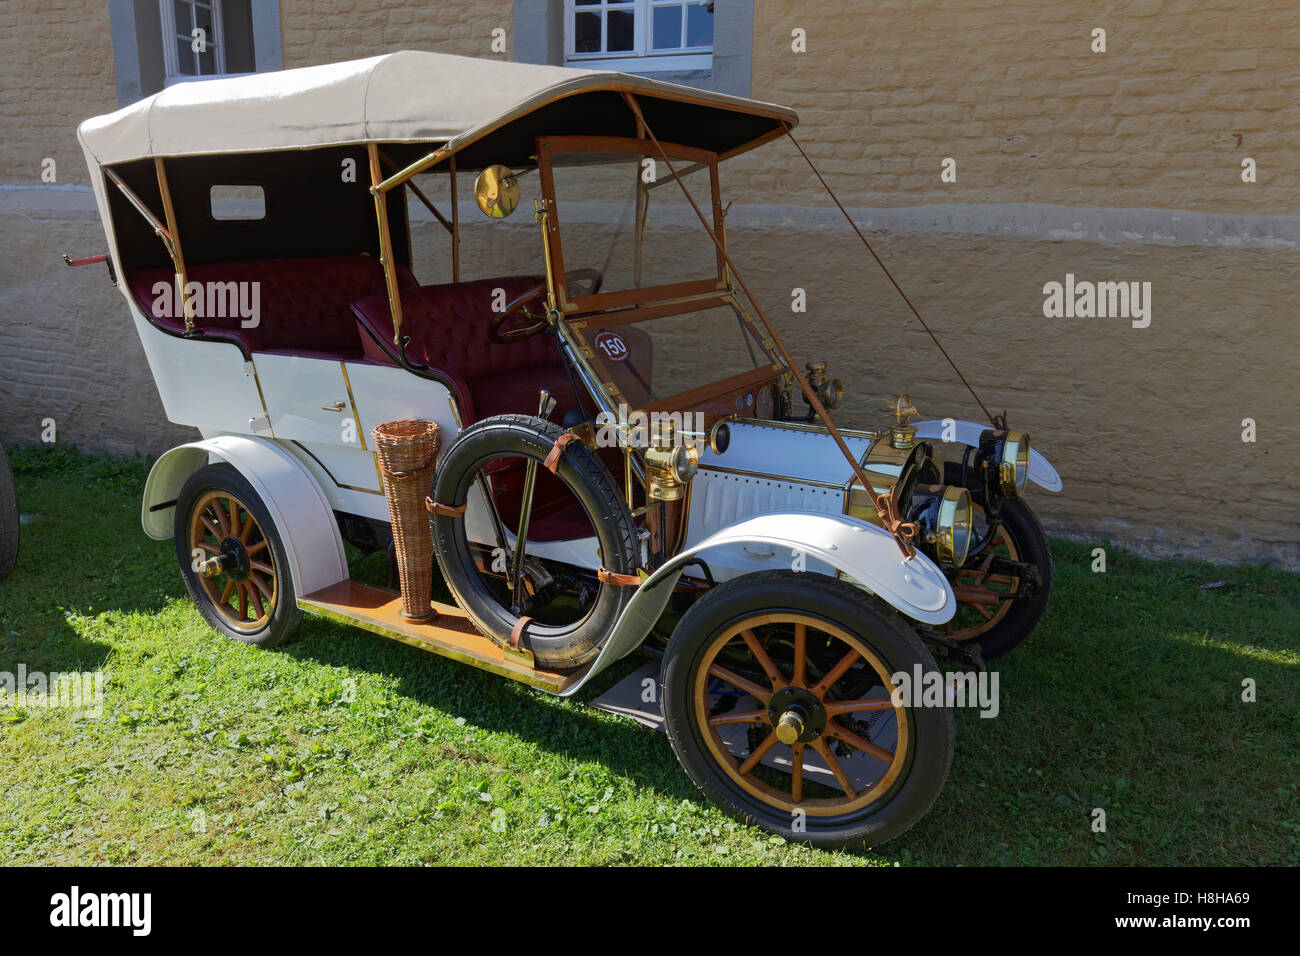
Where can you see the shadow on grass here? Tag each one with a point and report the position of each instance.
(76, 556)
(1128, 699)
(563, 727)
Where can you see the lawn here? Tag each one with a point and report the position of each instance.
(344, 748)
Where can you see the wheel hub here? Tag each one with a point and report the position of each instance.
(232, 559)
(797, 715)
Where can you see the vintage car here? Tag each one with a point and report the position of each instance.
(630, 457)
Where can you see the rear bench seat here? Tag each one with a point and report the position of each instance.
(448, 327)
(304, 304)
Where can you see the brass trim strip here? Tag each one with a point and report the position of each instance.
(257, 380)
(361, 432)
(339, 484)
(356, 416)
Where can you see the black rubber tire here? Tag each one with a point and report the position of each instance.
(9, 522)
(872, 622)
(559, 648)
(1031, 544)
(286, 615)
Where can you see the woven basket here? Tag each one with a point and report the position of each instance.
(408, 451)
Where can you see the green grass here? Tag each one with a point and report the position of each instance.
(345, 748)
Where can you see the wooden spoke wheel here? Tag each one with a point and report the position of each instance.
(237, 570)
(806, 706)
(777, 699)
(232, 558)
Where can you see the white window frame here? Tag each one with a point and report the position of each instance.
(171, 33)
(641, 58)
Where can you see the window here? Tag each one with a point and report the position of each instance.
(237, 202)
(639, 35)
(192, 44)
(154, 41)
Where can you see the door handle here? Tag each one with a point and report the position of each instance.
(336, 407)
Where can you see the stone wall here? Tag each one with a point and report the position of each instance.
(1115, 166)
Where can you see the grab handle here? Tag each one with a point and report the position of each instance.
(91, 260)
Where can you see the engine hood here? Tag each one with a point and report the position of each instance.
(806, 455)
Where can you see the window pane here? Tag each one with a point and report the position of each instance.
(620, 27)
(586, 33)
(203, 19)
(184, 56)
(588, 2)
(699, 25)
(238, 202)
(668, 28)
(208, 61)
(181, 10)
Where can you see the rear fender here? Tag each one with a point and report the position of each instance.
(298, 507)
(865, 553)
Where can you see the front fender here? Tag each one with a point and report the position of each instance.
(299, 509)
(1041, 471)
(865, 553)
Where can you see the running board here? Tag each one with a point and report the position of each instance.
(449, 634)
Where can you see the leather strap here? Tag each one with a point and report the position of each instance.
(605, 576)
(553, 459)
(444, 511)
(517, 632)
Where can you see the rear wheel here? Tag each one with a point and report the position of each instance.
(777, 700)
(233, 560)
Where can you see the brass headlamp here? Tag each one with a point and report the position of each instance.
(829, 391)
(1004, 459)
(947, 522)
(669, 465)
(1013, 466)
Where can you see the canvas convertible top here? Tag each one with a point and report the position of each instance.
(489, 111)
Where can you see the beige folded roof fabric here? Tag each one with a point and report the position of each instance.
(412, 96)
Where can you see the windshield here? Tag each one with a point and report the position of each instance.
(646, 292)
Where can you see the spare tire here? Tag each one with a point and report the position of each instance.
(522, 437)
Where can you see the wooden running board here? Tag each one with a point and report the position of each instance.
(449, 634)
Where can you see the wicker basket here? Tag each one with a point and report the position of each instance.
(408, 451)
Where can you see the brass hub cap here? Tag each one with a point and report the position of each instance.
(809, 705)
(797, 714)
(236, 568)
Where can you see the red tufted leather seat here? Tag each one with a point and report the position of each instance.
(304, 304)
(447, 325)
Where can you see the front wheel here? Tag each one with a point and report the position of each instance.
(1003, 589)
(777, 701)
(232, 559)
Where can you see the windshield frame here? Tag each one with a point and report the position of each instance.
(550, 146)
(580, 313)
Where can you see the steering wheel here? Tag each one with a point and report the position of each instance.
(516, 307)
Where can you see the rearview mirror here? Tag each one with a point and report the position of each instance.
(497, 192)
